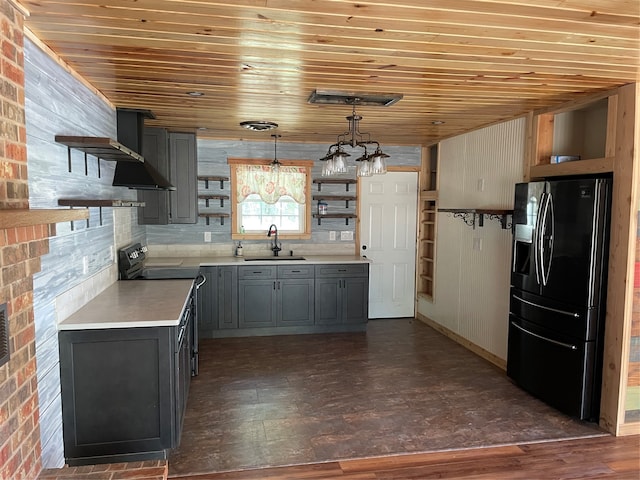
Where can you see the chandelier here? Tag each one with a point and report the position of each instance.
(372, 161)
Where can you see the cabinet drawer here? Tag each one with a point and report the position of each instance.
(352, 269)
(295, 271)
(257, 271)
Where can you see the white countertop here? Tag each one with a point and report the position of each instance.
(191, 262)
(133, 303)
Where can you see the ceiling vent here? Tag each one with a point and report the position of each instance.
(258, 125)
(334, 97)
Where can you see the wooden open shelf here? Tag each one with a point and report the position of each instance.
(332, 198)
(207, 198)
(577, 167)
(475, 216)
(11, 218)
(101, 147)
(334, 181)
(212, 178)
(82, 202)
(345, 216)
(208, 216)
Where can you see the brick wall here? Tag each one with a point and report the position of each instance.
(20, 251)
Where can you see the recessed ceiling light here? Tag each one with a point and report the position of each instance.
(437, 122)
(258, 125)
(195, 94)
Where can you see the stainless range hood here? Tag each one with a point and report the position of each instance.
(136, 175)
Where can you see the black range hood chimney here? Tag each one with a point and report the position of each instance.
(136, 175)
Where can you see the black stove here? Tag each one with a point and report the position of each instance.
(131, 266)
(131, 261)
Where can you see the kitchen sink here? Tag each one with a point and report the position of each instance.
(272, 258)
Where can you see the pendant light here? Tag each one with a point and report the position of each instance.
(275, 164)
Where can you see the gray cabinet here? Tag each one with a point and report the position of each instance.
(295, 295)
(218, 300)
(174, 155)
(257, 296)
(283, 298)
(156, 152)
(342, 294)
(208, 302)
(275, 296)
(123, 393)
(227, 297)
(183, 165)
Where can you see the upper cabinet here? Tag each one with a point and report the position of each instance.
(576, 140)
(173, 154)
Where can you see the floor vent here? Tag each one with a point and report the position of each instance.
(4, 334)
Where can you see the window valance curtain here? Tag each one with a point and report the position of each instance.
(270, 185)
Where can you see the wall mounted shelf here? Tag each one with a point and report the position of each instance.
(330, 198)
(27, 217)
(101, 147)
(86, 203)
(81, 202)
(207, 198)
(208, 216)
(334, 181)
(475, 216)
(345, 216)
(208, 178)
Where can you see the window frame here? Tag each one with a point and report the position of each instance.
(235, 231)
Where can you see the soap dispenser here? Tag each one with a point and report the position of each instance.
(239, 249)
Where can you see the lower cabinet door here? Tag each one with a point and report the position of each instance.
(257, 303)
(328, 301)
(295, 302)
(227, 297)
(355, 300)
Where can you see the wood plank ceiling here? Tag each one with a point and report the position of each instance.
(466, 63)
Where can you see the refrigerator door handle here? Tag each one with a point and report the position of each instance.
(547, 214)
(537, 238)
(549, 221)
(550, 340)
(533, 304)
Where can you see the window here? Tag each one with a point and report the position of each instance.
(261, 197)
(255, 216)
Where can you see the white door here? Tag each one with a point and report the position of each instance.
(388, 213)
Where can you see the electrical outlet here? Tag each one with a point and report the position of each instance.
(477, 243)
(480, 185)
(85, 265)
(346, 235)
(207, 236)
(332, 235)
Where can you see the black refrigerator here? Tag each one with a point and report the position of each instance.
(558, 291)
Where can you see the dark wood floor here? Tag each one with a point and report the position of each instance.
(593, 458)
(401, 388)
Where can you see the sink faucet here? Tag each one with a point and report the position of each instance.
(274, 230)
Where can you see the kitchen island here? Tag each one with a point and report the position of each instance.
(126, 361)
